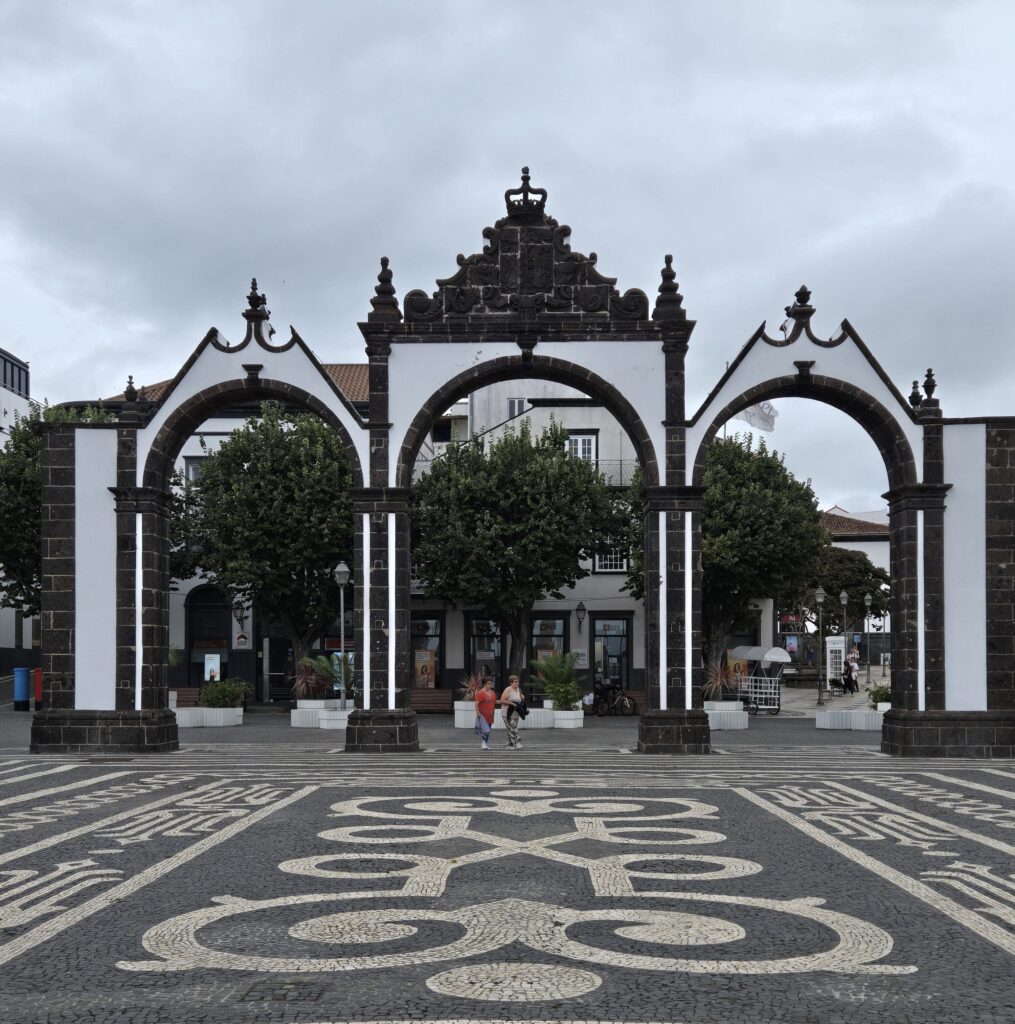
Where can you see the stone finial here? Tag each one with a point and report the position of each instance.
(142, 396)
(256, 301)
(801, 308)
(130, 392)
(915, 398)
(526, 204)
(929, 384)
(385, 305)
(669, 301)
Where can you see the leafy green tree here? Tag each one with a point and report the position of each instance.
(21, 504)
(841, 569)
(504, 526)
(761, 534)
(272, 517)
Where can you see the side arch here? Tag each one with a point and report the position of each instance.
(881, 426)
(521, 368)
(190, 414)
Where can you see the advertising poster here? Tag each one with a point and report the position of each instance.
(426, 665)
(791, 644)
(738, 670)
(212, 668)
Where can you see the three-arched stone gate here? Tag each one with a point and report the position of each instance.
(527, 306)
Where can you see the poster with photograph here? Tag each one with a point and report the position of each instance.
(212, 668)
(425, 668)
(791, 643)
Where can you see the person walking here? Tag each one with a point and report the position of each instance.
(854, 674)
(486, 702)
(510, 699)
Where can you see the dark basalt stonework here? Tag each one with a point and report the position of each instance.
(382, 732)
(65, 731)
(948, 733)
(674, 731)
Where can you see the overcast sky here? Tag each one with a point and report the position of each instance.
(157, 155)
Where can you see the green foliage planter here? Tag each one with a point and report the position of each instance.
(556, 677)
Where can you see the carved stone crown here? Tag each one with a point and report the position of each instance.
(526, 270)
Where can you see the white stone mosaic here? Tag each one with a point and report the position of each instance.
(515, 983)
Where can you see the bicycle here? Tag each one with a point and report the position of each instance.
(612, 702)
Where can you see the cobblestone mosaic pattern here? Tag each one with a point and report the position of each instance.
(266, 884)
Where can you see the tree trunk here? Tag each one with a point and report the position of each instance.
(516, 659)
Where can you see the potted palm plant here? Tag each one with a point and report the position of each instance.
(465, 709)
(313, 687)
(557, 679)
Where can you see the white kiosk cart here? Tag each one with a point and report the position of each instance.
(761, 688)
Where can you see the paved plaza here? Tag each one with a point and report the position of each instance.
(777, 880)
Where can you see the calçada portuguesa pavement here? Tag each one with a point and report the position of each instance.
(262, 874)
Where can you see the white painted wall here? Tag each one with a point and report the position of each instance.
(765, 362)
(95, 570)
(878, 551)
(965, 567)
(213, 366)
(417, 371)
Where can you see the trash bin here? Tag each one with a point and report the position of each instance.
(21, 702)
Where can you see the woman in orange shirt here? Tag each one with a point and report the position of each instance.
(486, 702)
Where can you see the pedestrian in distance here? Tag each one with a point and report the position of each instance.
(854, 675)
(486, 702)
(510, 699)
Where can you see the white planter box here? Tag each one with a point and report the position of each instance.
(189, 718)
(568, 719)
(304, 718)
(723, 705)
(218, 717)
(172, 699)
(725, 720)
(465, 714)
(333, 718)
(833, 720)
(548, 704)
(884, 705)
(539, 718)
(317, 705)
(866, 721)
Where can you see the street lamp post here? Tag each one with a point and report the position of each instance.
(819, 597)
(342, 578)
(844, 600)
(867, 599)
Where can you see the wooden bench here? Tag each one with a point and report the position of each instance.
(187, 696)
(424, 700)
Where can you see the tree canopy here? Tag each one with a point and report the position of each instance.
(853, 572)
(21, 504)
(271, 518)
(761, 535)
(503, 525)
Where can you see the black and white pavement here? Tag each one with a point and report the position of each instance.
(776, 880)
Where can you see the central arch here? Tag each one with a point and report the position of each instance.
(521, 368)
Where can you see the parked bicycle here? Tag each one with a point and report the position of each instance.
(611, 701)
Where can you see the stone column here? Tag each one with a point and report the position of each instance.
(382, 554)
(675, 723)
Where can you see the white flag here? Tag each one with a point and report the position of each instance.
(760, 416)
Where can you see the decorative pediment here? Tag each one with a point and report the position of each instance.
(527, 268)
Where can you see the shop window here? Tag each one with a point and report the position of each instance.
(611, 650)
(427, 636)
(485, 649)
(547, 636)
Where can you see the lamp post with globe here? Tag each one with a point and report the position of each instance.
(819, 597)
(867, 601)
(341, 577)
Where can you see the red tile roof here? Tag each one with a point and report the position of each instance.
(352, 379)
(848, 528)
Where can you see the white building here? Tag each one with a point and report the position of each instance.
(19, 647)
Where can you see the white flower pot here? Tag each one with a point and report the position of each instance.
(317, 705)
(833, 720)
(304, 718)
(866, 721)
(723, 719)
(465, 714)
(333, 718)
(189, 718)
(568, 719)
(884, 705)
(723, 705)
(538, 718)
(218, 717)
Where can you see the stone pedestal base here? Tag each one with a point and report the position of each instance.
(948, 733)
(382, 732)
(674, 732)
(59, 731)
